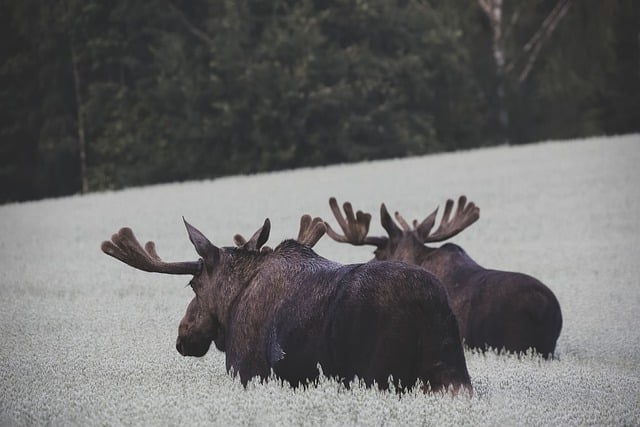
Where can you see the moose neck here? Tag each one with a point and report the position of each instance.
(448, 261)
(237, 270)
(259, 273)
(407, 248)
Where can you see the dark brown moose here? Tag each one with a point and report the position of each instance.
(287, 310)
(497, 309)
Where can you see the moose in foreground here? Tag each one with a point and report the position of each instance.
(497, 309)
(287, 310)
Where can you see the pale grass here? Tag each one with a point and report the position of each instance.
(89, 341)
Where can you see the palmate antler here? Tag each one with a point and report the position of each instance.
(125, 247)
(465, 215)
(356, 227)
(311, 230)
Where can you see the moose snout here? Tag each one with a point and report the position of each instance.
(192, 346)
(180, 347)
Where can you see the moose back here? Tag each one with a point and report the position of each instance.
(288, 310)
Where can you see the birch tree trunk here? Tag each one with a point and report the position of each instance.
(493, 9)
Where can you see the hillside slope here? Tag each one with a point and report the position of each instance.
(87, 340)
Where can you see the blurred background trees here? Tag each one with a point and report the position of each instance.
(112, 93)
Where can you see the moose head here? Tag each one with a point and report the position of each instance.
(215, 280)
(403, 242)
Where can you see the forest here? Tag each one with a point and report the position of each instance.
(106, 94)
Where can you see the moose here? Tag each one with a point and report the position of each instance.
(287, 310)
(497, 309)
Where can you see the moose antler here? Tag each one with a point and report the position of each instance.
(355, 227)
(256, 242)
(466, 214)
(311, 230)
(125, 247)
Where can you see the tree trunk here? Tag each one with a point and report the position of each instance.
(493, 9)
(82, 144)
(548, 26)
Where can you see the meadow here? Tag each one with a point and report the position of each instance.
(87, 340)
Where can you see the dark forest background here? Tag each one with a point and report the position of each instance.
(113, 93)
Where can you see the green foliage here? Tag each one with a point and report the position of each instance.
(562, 98)
(177, 90)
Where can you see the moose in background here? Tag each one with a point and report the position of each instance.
(497, 309)
(286, 310)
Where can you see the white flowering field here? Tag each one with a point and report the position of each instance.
(87, 340)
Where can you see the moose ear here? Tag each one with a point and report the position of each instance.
(264, 233)
(207, 250)
(387, 223)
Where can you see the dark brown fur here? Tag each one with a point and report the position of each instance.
(288, 310)
(497, 309)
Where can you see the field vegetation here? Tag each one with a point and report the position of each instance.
(87, 340)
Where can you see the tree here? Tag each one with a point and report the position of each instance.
(564, 95)
(39, 99)
(507, 61)
(107, 94)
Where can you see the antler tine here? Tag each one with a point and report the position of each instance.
(150, 247)
(354, 226)
(465, 215)
(424, 228)
(239, 240)
(125, 247)
(311, 230)
(402, 222)
(390, 227)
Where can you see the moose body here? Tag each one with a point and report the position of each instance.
(497, 309)
(288, 310)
